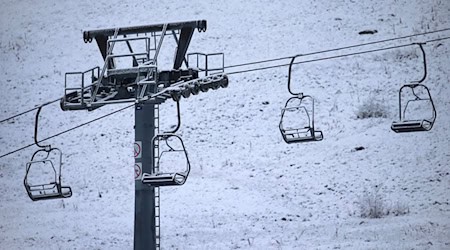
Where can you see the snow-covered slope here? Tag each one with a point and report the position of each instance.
(247, 188)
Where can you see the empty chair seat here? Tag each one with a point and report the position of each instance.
(45, 170)
(171, 148)
(410, 118)
(48, 191)
(305, 135)
(411, 126)
(163, 179)
(291, 133)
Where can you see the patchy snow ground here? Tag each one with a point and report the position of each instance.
(247, 188)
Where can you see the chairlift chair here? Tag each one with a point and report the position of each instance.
(298, 134)
(405, 124)
(302, 134)
(53, 189)
(159, 178)
(51, 163)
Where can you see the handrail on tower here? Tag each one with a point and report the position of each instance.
(209, 63)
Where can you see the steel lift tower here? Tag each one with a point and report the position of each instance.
(130, 74)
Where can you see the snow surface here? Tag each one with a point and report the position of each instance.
(247, 188)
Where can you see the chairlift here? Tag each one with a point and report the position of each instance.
(49, 165)
(51, 189)
(299, 134)
(160, 178)
(406, 124)
(414, 124)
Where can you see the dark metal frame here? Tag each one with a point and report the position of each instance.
(306, 134)
(71, 92)
(403, 125)
(186, 32)
(297, 135)
(290, 75)
(111, 85)
(208, 71)
(46, 191)
(147, 87)
(157, 179)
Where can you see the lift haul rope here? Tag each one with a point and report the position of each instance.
(278, 59)
(68, 130)
(341, 48)
(334, 57)
(244, 71)
(88, 122)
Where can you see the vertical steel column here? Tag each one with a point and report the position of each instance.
(144, 216)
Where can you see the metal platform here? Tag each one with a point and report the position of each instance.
(115, 83)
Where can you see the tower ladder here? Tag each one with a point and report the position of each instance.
(157, 191)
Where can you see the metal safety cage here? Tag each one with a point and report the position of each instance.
(414, 125)
(159, 178)
(299, 134)
(78, 97)
(210, 64)
(142, 57)
(53, 189)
